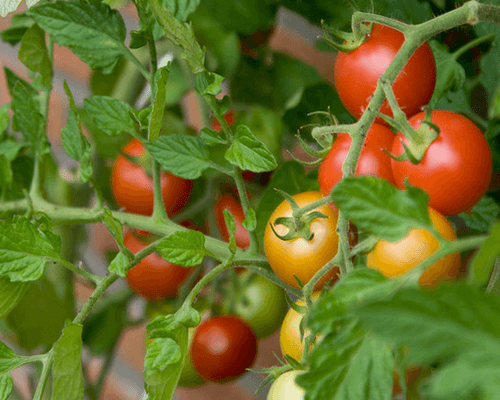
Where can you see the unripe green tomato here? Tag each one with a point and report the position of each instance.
(285, 388)
(262, 305)
(189, 377)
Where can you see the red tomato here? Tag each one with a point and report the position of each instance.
(223, 348)
(356, 73)
(228, 202)
(133, 188)
(372, 161)
(154, 278)
(229, 117)
(456, 169)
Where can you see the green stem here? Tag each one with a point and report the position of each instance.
(47, 363)
(494, 282)
(99, 290)
(245, 204)
(473, 43)
(130, 56)
(91, 277)
(159, 212)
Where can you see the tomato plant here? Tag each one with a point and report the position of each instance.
(456, 168)
(229, 203)
(394, 259)
(356, 73)
(372, 161)
(299, 257)
(285, 387)
(261, 303)
(291, 343)
(133, 187)
(154, 278)
(223, 348)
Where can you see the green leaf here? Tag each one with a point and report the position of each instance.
(249, 153)
(484, 260)
(67, 367)
(231, 229)
(183, 248)
(156, 118)
(27, 116)
(349, 365)
(34, 54)
(163, 363)
(93, 31)
(181, 9)
(6, 386)
(110, 115)
(10, 294)
(119, 264)
(455, 327)
(360, 285)
(250, 222)
(113, 225)
(4, 118)
(208, 83)
(24, 250)
(10, 148)
(450, 74)
(181, 155)
(10, 360)
(180, 34)
(289, 177)
(6, 174)
(374, 205)
(74, 142)
(19, 24)
(484, 214)
(211, 137)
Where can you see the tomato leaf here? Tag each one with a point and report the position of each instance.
(93, 31)
(156, 118)
(185, 248)
(10, 294)
(119, 264)
(24, 250)
(67, 367)
(181, 155)
(374, 205)
(6, 174)
(349, 365)
(33, 53)
(6, 386)
(249, 153)
(110, 115)
(10, 360)
(163, 363)
(360, 285)
(484, 214)
(455, 326)
(181, 34)
(484, 260)
(450, 75)
(211, 137)
(74, 142)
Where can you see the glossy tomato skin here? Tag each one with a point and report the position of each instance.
(133, 188)
(356, 73)
(285, 388)
(229, 203)
(372, 160)
(153, 278)
(223, 348)
(456, 168)
(395, 259)
(262, 304)
(301, 257)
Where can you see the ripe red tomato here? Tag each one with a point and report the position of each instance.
(372, 161)
(300, 257)
(228, 202)
(223, 348)
(456, 169)
(133, 188)
(154, 278)
(356, 73)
